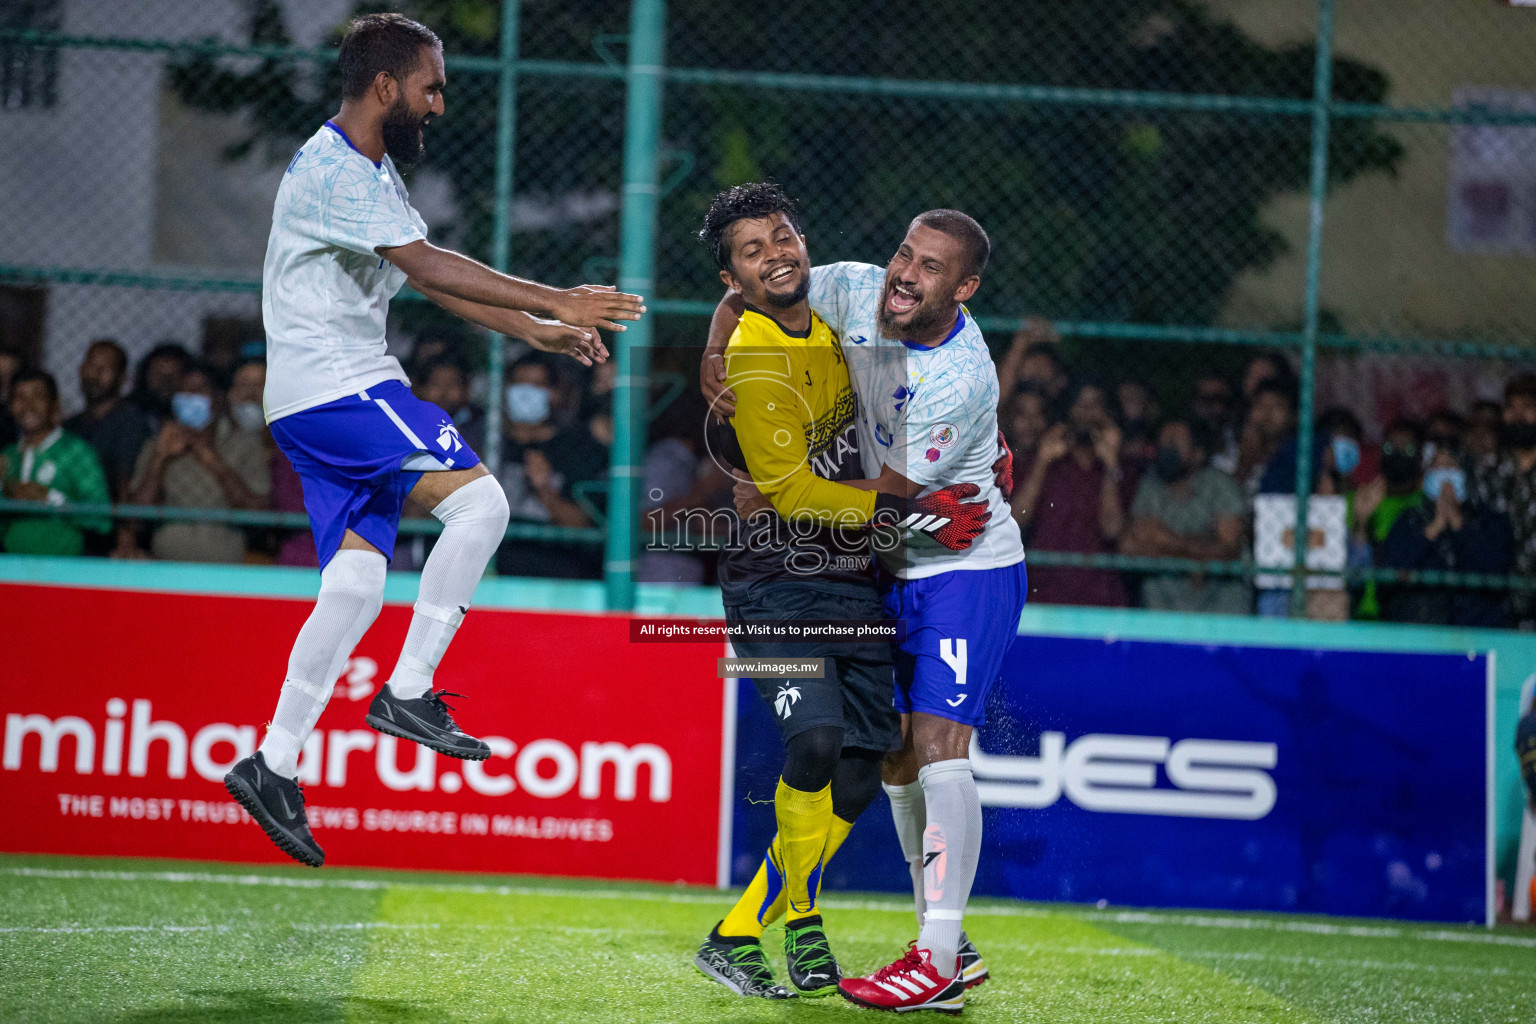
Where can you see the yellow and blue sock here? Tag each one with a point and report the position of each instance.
(766, 898)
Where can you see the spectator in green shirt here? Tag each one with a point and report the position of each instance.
(48, 465)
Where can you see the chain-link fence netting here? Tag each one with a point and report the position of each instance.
(1148, 171)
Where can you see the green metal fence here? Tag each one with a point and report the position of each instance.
(1171, 183)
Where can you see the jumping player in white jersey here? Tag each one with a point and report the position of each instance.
(927, 394)
(344, 240)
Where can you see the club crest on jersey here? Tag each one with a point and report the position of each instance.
(942, 436)
(449, 438)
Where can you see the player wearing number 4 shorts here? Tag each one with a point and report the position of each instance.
(344, 240)
(928, 397)
(793, 433)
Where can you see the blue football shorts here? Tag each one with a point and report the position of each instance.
(358, 457)
(959, 626)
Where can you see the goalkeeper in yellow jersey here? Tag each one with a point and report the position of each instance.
(793, 435)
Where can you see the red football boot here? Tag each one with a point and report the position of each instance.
(910, 983)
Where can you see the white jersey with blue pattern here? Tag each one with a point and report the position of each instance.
(325, 290)
(928, 413)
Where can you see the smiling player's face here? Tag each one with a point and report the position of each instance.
(769, 262)
(925, 282)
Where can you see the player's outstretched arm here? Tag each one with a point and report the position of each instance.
(721, 399)
(456, 275)
(580, 343)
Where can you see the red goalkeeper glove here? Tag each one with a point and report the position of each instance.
(1002, 469)
(944, 515)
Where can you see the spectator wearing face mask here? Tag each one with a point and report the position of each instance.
(199, 459)
(1444, 429)
(1379, 503)
(113, 426)
(542, 463)
(1509, 486)
(50, 465)
(1071, 500)
(1446, 531)
(157, 379)
(1341, 434)
(1186, 509)
(246, 385)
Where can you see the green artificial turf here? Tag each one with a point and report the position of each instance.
(114, 940)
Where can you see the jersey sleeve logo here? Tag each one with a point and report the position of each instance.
(942, 436)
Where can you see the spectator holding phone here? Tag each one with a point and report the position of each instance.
(199, 459)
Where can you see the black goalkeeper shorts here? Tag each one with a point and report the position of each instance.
(857, 690)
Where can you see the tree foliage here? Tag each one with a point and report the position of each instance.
(1098, 212)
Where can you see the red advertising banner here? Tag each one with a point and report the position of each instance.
(123, 710)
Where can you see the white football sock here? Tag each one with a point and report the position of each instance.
(951, 851)
(911, 816)
(474, 519)
(351, 594)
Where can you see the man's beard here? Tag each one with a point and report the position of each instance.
(402, 132)
(783, 300)
(924, 318)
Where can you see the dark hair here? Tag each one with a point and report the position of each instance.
(743, 202)
(1047, 349)
(1487, 405)
(1448, 417)
(1201, 434)
(1339, 420)
(391, 43)
(119, 353)
(166, 349)
(961, 226)
(534, 358)
(1406, 426)
(426, 370)
(1521, 386)
(200, 367)
(1278, 362)
(27, 374)
(1285, 387)
(1075, 391)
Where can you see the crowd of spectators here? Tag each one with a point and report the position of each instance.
(1102, 468)
(191, 434)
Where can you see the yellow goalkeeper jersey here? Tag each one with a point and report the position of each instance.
(794, 432)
